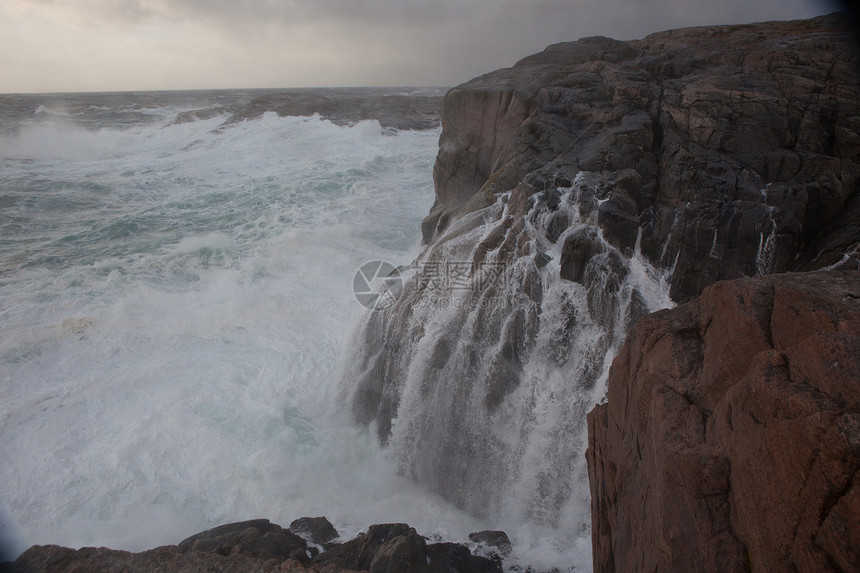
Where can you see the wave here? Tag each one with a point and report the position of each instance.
(174, 300)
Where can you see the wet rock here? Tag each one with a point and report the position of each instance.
(496, 539)
(542, 259)
(359, 553)
(316, 529)
(729, 156)
(706, 148)
(397, 548)
(731, 436)
(257, 537)
(557, 225)
(450, 557)
(259, 546)
(54, 559)
(579, 247)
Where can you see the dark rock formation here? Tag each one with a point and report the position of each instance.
(258, 537)
(397, 548)
(732, 151)
(259, 546)
(247, 546)
(731, 436)
(55, 559)
(315, 529)
(690, 156)
(497, 540)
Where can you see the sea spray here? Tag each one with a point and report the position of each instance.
(174, 297)
(480, 377)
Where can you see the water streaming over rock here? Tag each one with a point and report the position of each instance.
(479, 378)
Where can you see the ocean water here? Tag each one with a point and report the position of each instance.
(174, 302)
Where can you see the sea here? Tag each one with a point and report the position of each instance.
(176, 291)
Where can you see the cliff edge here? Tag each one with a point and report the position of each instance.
(725, 151)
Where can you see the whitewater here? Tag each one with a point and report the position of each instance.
(174, 300)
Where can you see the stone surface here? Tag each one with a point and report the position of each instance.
(55, 559)
(258, 538)
(730, 440)
(397, 548)
(726, 151)
(495, 539)
(262, 547)
(315, 529)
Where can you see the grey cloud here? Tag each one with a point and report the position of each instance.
(355, 42)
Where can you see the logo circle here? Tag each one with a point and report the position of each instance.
(377, 285)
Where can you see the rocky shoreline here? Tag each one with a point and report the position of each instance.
(310, 544)
(708, 154)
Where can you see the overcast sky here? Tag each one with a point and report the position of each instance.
(95, 45)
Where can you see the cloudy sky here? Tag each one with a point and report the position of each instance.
(90, 45)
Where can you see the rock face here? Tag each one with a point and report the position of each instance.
(728, 151)
(731, 436)
(574, 190)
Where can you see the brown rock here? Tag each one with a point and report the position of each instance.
(729, 156)
(731, 436)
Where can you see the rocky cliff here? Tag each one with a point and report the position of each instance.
(731, 436)
(727, 151)
(577, 191)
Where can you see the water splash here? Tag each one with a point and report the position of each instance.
(484, 401)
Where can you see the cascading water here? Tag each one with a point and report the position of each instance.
(480, 377)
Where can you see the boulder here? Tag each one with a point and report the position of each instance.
(315, 529)
(257, 537)
(497, 540)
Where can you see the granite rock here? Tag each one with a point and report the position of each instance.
(730, 440)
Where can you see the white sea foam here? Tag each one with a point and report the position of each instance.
(173, 302)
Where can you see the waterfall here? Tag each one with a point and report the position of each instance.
(480, 377)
